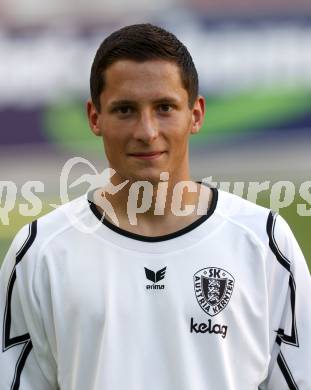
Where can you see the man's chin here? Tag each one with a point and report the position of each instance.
(151, 177)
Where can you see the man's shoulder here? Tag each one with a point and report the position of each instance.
(58, 224)
(266, 227)
(235, 205)
(243, 213)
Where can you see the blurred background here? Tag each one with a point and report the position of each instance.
(254, 64)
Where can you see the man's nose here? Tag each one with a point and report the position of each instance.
(147, 128)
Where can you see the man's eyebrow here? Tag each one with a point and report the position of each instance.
(123, 102)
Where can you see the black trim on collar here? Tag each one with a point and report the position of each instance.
(164, 237)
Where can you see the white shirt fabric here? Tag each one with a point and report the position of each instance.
(223, 304)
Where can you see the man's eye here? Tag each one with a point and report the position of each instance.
(123, 110)
(165, 108)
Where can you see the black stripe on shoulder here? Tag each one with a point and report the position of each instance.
(281, 337)
(291, 339)
(29, 241)
(20, 365)
(8, 341)
(292, 385)
(272, 242)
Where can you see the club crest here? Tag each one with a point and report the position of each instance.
(213, 288)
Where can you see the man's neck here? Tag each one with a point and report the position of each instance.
(158, 209)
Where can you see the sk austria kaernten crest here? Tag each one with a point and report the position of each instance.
(213, 289)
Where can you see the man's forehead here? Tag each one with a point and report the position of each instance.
(152, 80)
(151, 71)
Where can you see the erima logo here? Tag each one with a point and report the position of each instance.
(155, 277)
(209, 327)
(213, 288)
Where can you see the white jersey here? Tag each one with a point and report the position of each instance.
(223, 304)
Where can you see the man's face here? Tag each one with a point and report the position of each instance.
(145, 120)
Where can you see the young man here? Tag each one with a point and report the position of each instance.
(178, 300)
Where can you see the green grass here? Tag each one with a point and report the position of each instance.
(250, 111)
(16, 222)
(4, 245)
(301, 226)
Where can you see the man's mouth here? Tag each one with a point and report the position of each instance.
(147, 156)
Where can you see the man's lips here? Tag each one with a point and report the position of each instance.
(146, 156)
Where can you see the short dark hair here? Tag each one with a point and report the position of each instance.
(142, 42)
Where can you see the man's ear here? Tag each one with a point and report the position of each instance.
(93, 117)
(198, 113)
